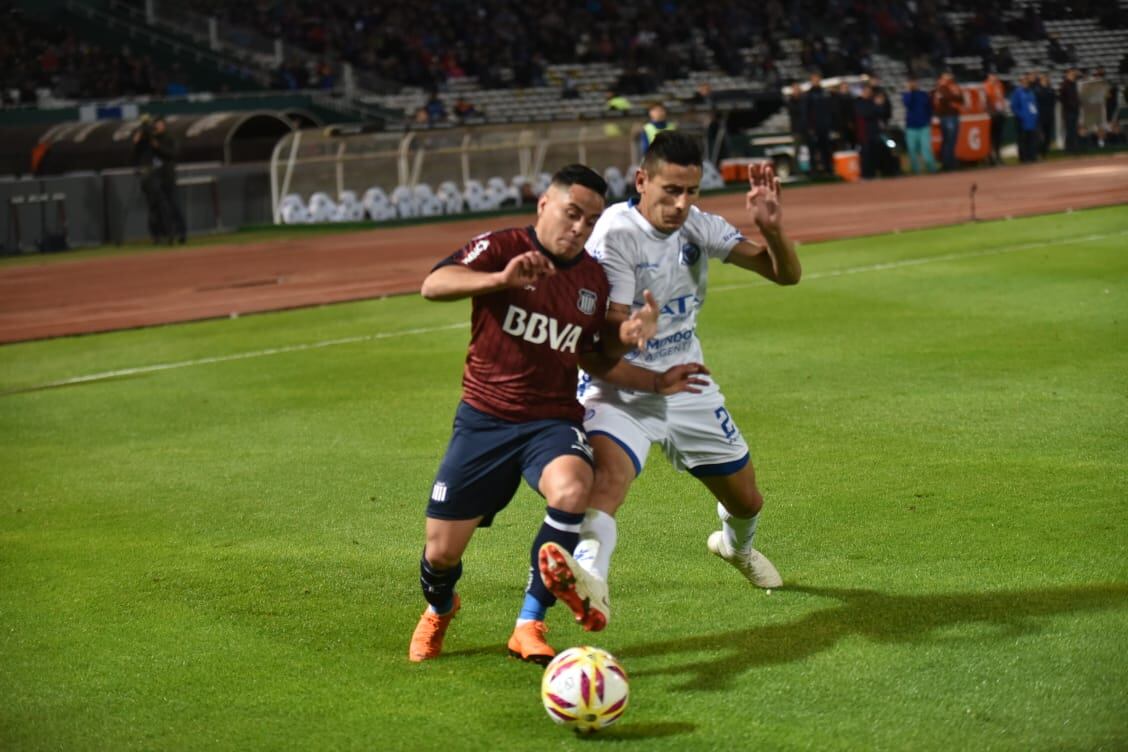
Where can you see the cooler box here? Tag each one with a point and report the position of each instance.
(735, 170)
(847, 166)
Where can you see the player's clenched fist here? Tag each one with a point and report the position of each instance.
(527, 268)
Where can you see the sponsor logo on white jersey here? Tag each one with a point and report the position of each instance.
(540, 329)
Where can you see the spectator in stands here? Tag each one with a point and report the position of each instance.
(996, 103)
(1004, 61)
(796, 119)
(947, 101)
(1112, 105)
(568, 87)
(1046, 99)
(1024, 105)
(887, 161)
(177, 82)
(702, 95)
(868, 114)
(465, 109)
(1070, 109)
(655, 125)
(918, 127)
(616, 102)
(843, 117)
(436, 110)
(817, 123)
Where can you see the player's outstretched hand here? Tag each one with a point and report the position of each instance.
(681, 378)
(764, 198)
(527, 269)
(642, 325)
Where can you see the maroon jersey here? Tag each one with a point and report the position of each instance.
(525, 343)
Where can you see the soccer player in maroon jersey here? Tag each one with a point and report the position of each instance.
(539, 301)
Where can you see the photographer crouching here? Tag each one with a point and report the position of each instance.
(154, 152)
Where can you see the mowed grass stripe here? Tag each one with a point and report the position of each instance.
(227, 558)
(809, 276)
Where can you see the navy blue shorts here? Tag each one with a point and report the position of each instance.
(487, 456)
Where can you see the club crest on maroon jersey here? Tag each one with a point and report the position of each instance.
(586, 303)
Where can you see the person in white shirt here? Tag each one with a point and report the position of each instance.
(663, 243)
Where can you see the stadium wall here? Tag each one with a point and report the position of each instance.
(88, 208)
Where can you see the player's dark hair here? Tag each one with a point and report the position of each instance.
(672, 147)
(578, 174)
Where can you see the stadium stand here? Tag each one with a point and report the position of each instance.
(479, 98)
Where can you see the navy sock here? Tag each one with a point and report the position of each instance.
(438, 585)
(562, 528)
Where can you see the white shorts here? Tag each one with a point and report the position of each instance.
(694, 430)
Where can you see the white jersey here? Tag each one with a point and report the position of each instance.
(674, 267)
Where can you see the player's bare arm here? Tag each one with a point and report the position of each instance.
(685, 377)
(640, 326)
(777, 260)
(455, 281)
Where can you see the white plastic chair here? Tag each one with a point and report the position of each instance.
(293, 210)
(403, 199)
(451, 197)
(321, 207)
(348, 208)
(377, 205)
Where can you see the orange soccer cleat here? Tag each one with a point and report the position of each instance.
(527, 643)
(427, 640)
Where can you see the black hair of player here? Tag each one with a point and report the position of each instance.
(578, 174)
(672, 147)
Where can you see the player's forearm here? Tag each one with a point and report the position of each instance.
(788, 270)
(612, 341)
(457, 282)
(619, 372)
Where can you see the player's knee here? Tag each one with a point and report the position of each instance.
(611, 486)
(745, 505)
(441, 560)
(570, 495)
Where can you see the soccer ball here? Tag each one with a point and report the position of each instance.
(584, 688)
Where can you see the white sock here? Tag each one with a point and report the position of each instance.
(738, 531)
(598, 535)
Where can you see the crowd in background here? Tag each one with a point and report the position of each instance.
(35, 57)
(511, 42)
(860, 118)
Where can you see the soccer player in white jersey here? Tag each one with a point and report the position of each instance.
(662, 242)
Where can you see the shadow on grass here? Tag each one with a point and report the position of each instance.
(629, 732)
(907, 619)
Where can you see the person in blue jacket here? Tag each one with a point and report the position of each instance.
(918, 127)
(1024, 105)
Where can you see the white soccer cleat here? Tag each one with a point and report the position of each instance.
(576, 588)
(755, 566)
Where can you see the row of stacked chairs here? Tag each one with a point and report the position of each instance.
(406, 202)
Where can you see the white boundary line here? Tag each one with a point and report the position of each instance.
(106, 375)
(928, 260)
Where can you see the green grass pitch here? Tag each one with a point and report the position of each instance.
(223, 553)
